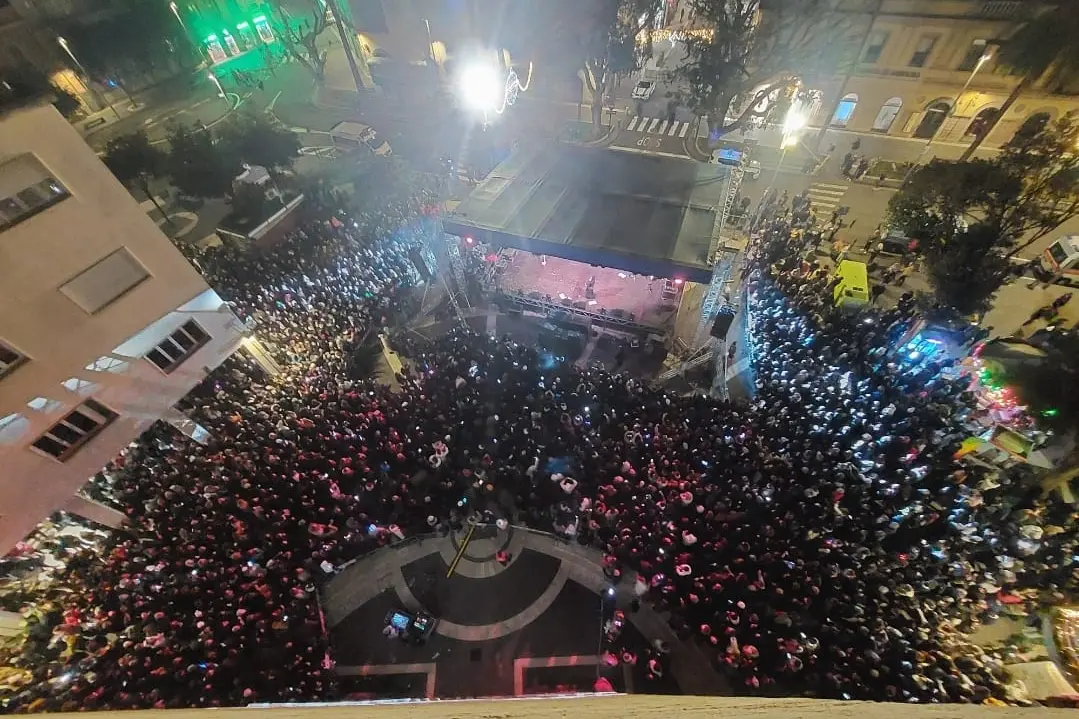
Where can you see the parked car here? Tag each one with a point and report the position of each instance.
(350, 136)
(643, 90)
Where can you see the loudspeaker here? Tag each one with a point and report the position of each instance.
(723, 323)
(421, 266)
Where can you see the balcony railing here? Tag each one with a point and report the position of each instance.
(1001, 9)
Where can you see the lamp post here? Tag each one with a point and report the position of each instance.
(795, 121)
(82, 70)
(176, 12)
(951, 111)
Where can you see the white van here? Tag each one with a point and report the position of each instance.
(351, 136)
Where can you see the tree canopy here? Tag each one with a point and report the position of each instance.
(1046, 388)
(758, 51)
(137, 39)
(255, 140)
(198, 166)
(1041, 48)
(971, 216)
(134, 160)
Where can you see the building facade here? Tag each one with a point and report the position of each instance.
(914, 59)
(104, 325)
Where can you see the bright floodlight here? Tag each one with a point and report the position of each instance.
(795, 121)
(481, 87)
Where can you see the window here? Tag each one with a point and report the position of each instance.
(922, 52)
(103, 283)
(26, 188)
(974, 54)
(180, 345)
(10, 360)
(874, 46)
(887, 115)
(74, 430)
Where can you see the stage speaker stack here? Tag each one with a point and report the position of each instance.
(421, 266)
(723, 322)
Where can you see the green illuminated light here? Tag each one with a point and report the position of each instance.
(243, 25)
(211, 38)
(260, 18)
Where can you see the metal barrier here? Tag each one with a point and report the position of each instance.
(548, 307)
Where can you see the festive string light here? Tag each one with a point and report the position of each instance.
(676, 35)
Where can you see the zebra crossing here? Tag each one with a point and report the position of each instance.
(824, 197)
(657, 126)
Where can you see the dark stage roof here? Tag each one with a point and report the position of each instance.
(642, 213)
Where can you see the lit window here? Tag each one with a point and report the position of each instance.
(180, 345)
(76, 429)
(924, 49)
(874, 46)
(10, 360)
(974, 54)
(27, 188)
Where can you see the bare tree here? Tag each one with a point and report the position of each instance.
(751, 51)
(299, 35)
(612, 48)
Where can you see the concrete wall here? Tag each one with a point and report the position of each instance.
(73, 355)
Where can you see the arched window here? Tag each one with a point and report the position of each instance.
(844, 110)
(888, 112)
(1033, 124)
(981, 122)
(933, 118)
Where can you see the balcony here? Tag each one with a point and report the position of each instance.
(984, 9)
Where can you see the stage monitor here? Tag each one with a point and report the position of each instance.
(400, 621)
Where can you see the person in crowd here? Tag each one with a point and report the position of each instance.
(819, 538)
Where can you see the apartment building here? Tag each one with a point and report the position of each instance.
(919, 71)
(104, 325)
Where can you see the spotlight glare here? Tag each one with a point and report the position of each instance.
(481, 88)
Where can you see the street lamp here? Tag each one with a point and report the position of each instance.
(82, 70)
(794, 122)
(485, 87)
(986, 56)
(176, 12)
(481, 87)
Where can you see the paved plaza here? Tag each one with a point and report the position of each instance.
(532, 626)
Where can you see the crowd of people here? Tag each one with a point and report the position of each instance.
(820, 539)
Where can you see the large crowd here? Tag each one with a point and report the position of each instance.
(820, 539)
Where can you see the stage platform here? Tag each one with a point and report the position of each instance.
(645, 214)
(614, 290)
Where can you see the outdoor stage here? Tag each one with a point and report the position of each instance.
(632, 296)
(640, 214)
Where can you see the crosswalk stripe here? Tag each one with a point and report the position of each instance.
(633, 123)
(674, 126)
(662, 127)
(652, 127)
(685, 128)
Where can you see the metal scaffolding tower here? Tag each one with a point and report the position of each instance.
(722, 261)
